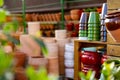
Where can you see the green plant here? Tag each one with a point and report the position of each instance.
(89, 76)
(110, 71)
(5, 65)
(7, 61)
(40, 74)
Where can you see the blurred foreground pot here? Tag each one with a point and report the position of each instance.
(20, 74)
(20, 59)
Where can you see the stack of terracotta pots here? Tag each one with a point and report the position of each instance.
(38, 62)
(52, 46)
(20, 59)
(29, 46)
(43, 17)
(75, 14)
(61, 38)
(53, 66)
(33, 51)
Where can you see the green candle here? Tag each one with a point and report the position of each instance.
(23, 10)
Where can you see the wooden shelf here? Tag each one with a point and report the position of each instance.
(77, 48)
(86, 41)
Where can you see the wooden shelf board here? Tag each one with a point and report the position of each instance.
(86, 41)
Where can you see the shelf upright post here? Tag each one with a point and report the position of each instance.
(62, 13)
(23, 15)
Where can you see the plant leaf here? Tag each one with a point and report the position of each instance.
(42, 74)
(31, 73)
(42, 45)
(1, 3)
(10, 38)
(82, 76)
(10, 27)
(5, 61)
(2, 15)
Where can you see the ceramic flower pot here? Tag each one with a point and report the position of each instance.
(69, 73)
(20, 59)
(90, 58)
(33, 28)
(112, 21)
(69, 63)
(20, 74)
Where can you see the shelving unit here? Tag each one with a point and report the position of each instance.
(77, 49)
(51, 5)
(43, 6)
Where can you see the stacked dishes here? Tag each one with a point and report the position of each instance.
(103, 27)
(69, 60)
(94, 26)
(83, 26)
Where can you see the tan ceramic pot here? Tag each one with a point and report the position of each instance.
(33, 28)
(53, 66)
(38, 62)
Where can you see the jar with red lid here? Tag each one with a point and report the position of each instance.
(112, 21)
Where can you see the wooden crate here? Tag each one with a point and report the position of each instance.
(113, 4)
(110, 39)
(78, 44)
(113, 58)
(113, 50)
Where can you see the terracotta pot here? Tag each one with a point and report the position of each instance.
(52, 49)
(9, 18)
(29, 46)
(58, 16)
(74, 11)
(20, 59)
(53, 66)
(61, 66)
(112, 21)
(67, 17)
(60, 34)
(33, 28)
(75, 17)
(20, 74)
(28, 17)
(37, 62)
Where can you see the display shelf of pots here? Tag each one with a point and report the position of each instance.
(78, 45)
